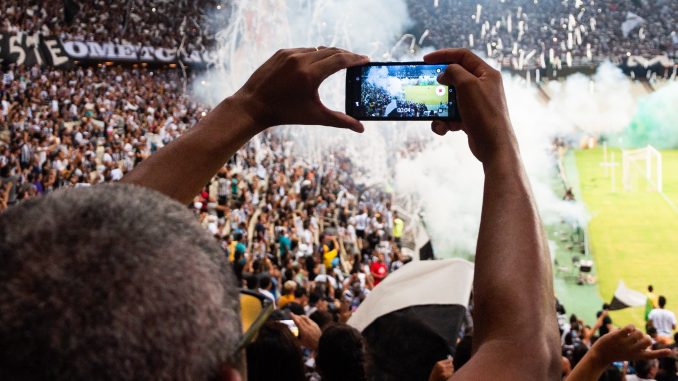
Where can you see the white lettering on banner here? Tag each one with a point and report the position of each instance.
(76, 49)
(146, 53)
(104, 51)
(34, 42)
(638, 60)
(194, 57)
(58, 58)
(15, 48)
(165, 55)
(127, 52)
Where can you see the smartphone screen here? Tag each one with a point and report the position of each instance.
(292, 327)
(399, 91)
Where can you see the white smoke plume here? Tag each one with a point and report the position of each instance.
(378, 76)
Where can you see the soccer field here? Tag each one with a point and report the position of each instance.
(633, 235)
(423, 94)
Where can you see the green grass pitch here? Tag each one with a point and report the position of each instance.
(633, 235)
(423, 94)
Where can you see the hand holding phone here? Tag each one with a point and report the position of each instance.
(399, 91)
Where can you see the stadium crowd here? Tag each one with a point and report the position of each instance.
(587, 30)
(157, 23)
(304, 235)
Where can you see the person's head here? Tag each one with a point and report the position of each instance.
(295, 308)
(650, 288)
(646, 368)
(661, 301)
(578, 353)
(289, 287)
(341, 354)
(301, 296)
(324, 319)
(252, 282)
(114, 281)
(611, 373)
(265, 282)
(275, 355)
(400, 347)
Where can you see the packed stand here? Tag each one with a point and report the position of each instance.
(84, 126)
(585, 30)
(157, 23)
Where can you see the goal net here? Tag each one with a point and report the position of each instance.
(642, 169)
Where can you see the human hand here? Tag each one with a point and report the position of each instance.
(442, 370)
(309, 332)
(481, 103)
(625, 344)
(284, 90)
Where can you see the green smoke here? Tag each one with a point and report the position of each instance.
(656, 120)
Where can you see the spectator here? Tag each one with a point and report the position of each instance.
(646, 370)
(341, 354)
(663, 320)
(619, 345)
(275, 355)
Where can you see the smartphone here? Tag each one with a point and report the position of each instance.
(291, 326)
(399, 91)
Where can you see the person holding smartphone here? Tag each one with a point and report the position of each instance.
(512, 286)
(511, 303)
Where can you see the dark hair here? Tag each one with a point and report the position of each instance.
(611, 374)
(114, 281)
(662, 301)
(650, 288)
(643, 367)
(252, 282)
(401, 347)
(578, 353)
(322, 318)
(264, 281)
(275, 355)
(299, 292)
(341, 354)
(295, 308)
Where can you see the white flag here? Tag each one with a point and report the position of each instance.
(632, 21)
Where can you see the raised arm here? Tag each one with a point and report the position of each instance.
(618, 345)
(284, 90)
(516, 333)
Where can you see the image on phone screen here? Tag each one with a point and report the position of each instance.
(399, 91)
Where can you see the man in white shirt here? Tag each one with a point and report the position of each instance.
(663, 320)
(265, 286)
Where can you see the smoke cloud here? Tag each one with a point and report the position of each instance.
(378, 76)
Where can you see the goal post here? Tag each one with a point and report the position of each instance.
(644, 165)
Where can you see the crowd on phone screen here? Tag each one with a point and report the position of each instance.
(307, 235)
(375, 101)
